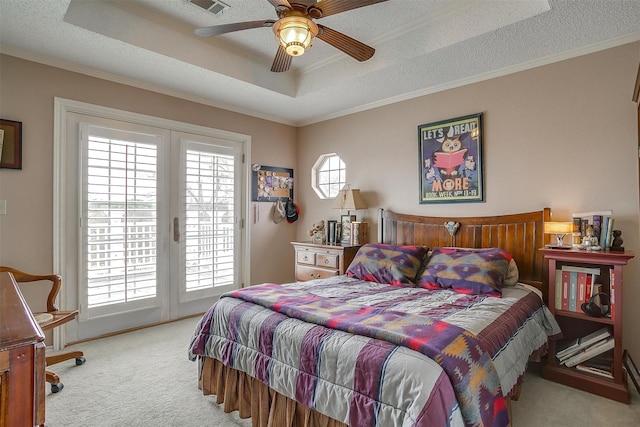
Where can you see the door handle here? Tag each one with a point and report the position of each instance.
(176, 229)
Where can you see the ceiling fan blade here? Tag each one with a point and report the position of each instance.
(280, 4)
(331, 7)
(229, 28)
(282, 61)
(351, 47)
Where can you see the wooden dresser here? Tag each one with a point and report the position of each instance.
(320, 261)
(22, 360)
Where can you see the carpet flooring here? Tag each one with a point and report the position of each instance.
(144, 378)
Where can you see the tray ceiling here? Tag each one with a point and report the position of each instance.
(422, 46)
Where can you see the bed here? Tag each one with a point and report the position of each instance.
(405, 338)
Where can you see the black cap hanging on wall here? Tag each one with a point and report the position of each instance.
(292, 211)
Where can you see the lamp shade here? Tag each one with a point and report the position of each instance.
(349, 199)
(558, 227)
(295, 33)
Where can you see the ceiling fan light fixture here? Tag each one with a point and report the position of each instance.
(295, 34)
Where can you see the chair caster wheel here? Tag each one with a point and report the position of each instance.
(80, 361)
(56, 387)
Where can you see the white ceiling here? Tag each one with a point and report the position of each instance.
(422, 46)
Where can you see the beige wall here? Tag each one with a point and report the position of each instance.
(562, 136)
(27, 92)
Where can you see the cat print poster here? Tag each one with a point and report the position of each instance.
(451, 160)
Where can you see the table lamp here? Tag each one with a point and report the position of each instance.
(560, 229)
(350, 199)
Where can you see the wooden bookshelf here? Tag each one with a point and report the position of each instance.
(575, 324)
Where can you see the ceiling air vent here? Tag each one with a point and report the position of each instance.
(213, 6)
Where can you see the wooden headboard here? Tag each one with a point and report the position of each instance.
(519, 234)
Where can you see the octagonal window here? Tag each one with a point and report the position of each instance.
(328, 175)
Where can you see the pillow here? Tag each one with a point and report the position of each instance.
(393, 265)
(468, 271)
(512, 274)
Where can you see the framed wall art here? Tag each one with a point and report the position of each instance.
(451, 163)
(271, 183)
(10, 144)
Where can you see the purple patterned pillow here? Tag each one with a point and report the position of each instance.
(468, 271)
(394, 265)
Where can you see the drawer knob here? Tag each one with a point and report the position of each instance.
(326, 261)
(306, 258)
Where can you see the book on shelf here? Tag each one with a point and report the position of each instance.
(573, 290)
(612, 292)
(589, 352)
(596, 371)
(599, 365)
(582, 289)
(567, 356)
(603, 361)
(565, 290)
(574, 346)
(588, 288)
(558, 289)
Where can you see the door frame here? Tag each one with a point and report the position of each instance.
(62, 108)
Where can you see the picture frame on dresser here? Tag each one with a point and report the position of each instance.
(345, 221)
(632, 370)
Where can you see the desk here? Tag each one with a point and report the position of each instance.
(22, 360)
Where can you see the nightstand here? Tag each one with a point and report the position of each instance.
(574, 323)
(319, 261)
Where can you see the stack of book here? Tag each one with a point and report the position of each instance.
(585, 348)
(601, 365)
(601, 223)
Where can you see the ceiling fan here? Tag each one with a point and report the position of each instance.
(295, 30)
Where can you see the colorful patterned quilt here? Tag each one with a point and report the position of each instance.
(372, 354)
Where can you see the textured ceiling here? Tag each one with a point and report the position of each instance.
(422, 46)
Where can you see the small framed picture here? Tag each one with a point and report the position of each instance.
(345, 221)
(10, 144)
(631, 369)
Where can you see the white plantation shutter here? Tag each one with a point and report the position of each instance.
(209, 212)
(148, 216)
(120, 211)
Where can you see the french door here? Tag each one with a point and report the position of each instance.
(159, 226)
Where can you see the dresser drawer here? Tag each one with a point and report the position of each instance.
(306, 257)
(304, 273)
(328, 260)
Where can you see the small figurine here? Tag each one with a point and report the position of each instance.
(616, 244)
(590, 238)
